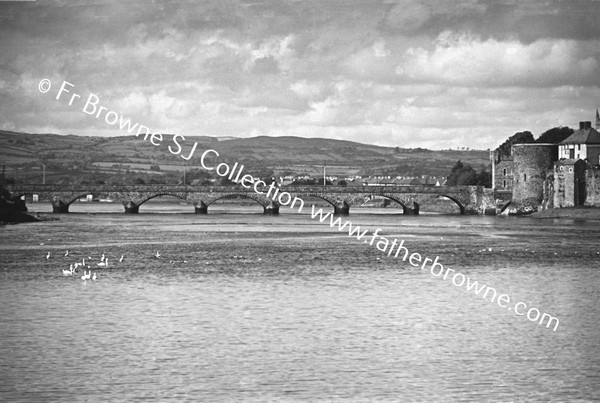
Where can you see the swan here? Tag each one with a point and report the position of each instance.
(83, 262)
(67, 253)
(102, 258)
(157, 255)
(68, 272)
(86, 276)
(103, 264)
(94, 276)
(48, 255)
(121, 259)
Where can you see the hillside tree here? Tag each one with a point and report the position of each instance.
(555, 135)
(517, 138)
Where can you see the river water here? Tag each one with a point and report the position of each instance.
(246, 307)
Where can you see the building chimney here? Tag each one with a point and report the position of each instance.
(581, 125)
(588, 125)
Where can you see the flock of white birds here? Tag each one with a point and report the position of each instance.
(87, 269)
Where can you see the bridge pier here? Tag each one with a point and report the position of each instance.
(201, 208)
(58, 206)
(272, 209)
(131, 208)
(412, 211)
(343, 209)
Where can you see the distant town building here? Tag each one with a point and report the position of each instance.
(407, 182)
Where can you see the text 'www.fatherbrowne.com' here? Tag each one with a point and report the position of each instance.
(398, 250)
(92, 106)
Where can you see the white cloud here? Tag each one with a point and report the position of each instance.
(380, 50)
(134, 103)
(466, 60)
(307, 90)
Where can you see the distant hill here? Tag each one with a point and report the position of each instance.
(23, 155)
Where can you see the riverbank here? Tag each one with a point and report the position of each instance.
(24, 217)
(585, 213)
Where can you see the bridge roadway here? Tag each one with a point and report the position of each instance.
(470, 199)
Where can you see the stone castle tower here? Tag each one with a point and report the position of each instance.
(597, 120)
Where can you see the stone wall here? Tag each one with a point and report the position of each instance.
(531, 162)
(569, 183)
(592, 181)
(503, 178)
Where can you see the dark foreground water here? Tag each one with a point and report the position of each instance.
(246, 307)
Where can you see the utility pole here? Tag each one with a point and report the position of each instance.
(43, 174)
(183, 174)
(324, 173)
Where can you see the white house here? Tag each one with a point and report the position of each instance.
(583, 144)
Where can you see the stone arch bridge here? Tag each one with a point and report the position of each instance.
(469, 199)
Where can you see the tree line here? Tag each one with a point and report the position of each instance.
(465, 175)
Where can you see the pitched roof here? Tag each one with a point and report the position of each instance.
(568, 161)
(583, 136)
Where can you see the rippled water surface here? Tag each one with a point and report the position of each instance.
(246, 307)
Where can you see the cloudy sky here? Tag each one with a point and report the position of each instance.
(408, 73)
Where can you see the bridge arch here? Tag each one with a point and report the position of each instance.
(269, 206)
(322, 198)
(228, 195)
(343, 208)
(72, 199)
(160, 195)
(455, 200)
(133, 206)
(405, 209)
(59, 205)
